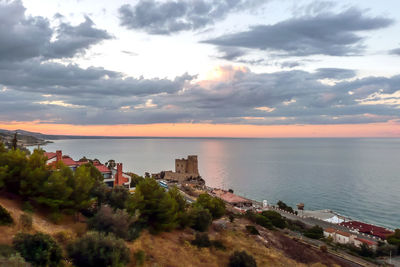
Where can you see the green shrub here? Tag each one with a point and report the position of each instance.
(56, 217)
(276, 219)
(201, 240)
(5, 217)
(26, 221)
(39, 249)
(27, 207)
(282, 205)
(14, 260)
(218, 244)
(200, 219)
(241, 259)
(215, 205)
(263, 221)
(252, 230)
(98, 250)
(117, 222)
(140, 257)
(6, 250)
(315, 232)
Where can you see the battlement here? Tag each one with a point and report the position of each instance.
(189, 165)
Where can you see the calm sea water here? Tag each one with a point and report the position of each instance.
(359, 178)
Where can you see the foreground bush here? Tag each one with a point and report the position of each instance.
(241, 259)
(215, 205)
(39, 249)
(118, 222)
(202, 240)
(276, 219)
(315, 232)
(98, 250)
(5, 217)
(200, 219)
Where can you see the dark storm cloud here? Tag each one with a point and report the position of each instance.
(323, 34)
(69, 94)
(156, 17)
(395, 51)
(334, 73)
(24, 37)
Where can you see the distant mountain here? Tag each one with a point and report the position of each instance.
(25, 138)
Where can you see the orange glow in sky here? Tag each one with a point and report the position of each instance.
(390, 129)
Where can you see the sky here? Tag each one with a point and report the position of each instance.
(225, 68)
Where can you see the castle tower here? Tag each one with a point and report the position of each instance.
(192, 165)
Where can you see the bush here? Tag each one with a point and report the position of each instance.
(98, 250)
(13, 260)
(117, 222)
(26, 221)
(6, 250)
(200, 219)
(27, 207)
(282, 205)
(241, 259)
(5, 217)
(252, 230)
(56, 217)
(296, 225)
(64, 237)
(315, 232)
(140, 257)
(215, 205)
(276, 219)
(201, 240)
(263, 221)
(39, 249)
(218, 244)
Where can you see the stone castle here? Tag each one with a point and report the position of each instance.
(185, 170)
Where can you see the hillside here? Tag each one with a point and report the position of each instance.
(24, 138)
(174, 248)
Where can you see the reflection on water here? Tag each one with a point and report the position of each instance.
(359, 178)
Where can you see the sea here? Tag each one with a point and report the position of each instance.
(357, 178)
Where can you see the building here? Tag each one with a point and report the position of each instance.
(339, 236)
(232, 199)
(186, 170)
(344, 238)
(112, 176)
(358, 242)
(369, 229)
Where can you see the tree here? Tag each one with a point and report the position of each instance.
(135, 179)
(200, 218)
(5, 217)
(15, 142)
(117, 222)
(158, 210)
(39, 249)
(276, 219)
(215, 205)
(56, 191)
(118, 197)
(34, 175)
(315, 232)
(111, 164)
(82, 184)
(241, 259)
(201, 240)
(282, 205)
(98, 250)
(182, 216)
(13, 168)
(394, 239)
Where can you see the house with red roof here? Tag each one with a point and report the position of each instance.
(358, 242)
(112, 177)
(338, 236)
(369, 229)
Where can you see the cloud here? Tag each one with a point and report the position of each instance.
(395, 51)
(156, 17)
(327, 33)
(334, 73)
(24, 37)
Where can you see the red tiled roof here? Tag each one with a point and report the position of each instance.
(68, 161)
(102, 168)
(368, 229)
(365, 241)
(50, 155)
(331, 230)
(230, 197)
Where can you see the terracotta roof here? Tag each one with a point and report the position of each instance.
(230, 197)
(50, 155)
(102, 168)
(68, 161)
(331, 230)
(368, 229)
(365, 241)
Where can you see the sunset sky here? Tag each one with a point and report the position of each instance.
(225, 68)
